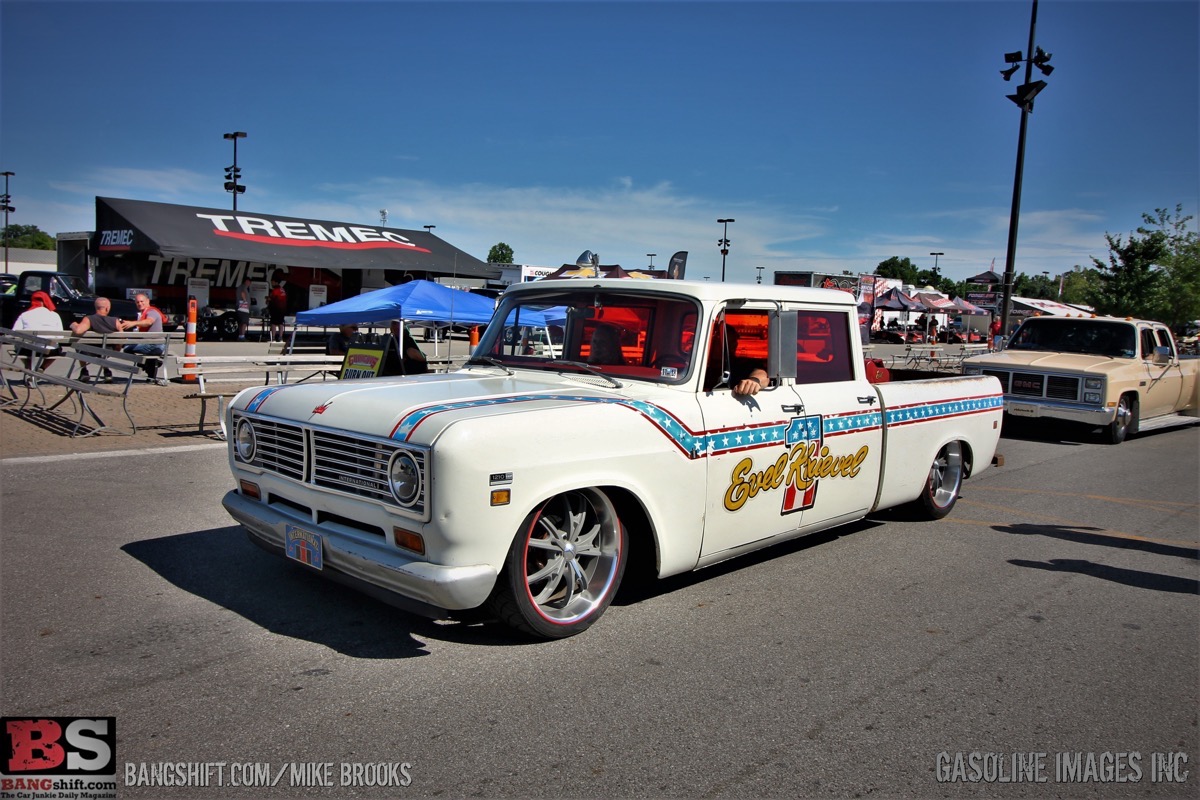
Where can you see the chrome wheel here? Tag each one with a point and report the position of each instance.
(564, 567)
(944, 481)
(1124, 422)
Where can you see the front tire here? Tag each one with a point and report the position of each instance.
(564, 566)
(1125, 422)
(944, 482)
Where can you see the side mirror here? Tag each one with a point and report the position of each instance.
(1161, 355)
(782, 330)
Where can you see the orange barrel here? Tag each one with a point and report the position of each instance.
(189, 342)
(474, 335)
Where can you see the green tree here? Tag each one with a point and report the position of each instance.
(1129, 282)
(1080, 285)
(500, 254)
(28, 236)
(1178, 291)
(900, 268)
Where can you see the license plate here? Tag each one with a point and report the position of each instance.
(1022, 410)
(303, 546)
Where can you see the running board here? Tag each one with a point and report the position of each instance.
(1165, 421)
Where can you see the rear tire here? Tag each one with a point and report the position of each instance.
(944, 482)
(564, 566)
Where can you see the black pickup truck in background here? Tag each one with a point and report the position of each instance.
(71, 297)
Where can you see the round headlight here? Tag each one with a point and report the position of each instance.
(244, 441)
(404, 478)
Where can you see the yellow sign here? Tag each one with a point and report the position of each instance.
(361, 362)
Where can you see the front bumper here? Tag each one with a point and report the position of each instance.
(372, 567)
(1071, 412)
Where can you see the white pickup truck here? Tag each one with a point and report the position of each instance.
(527, 483)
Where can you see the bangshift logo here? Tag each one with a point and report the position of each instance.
(293, 233)
(58, 746)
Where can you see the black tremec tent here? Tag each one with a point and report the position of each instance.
(172, 231)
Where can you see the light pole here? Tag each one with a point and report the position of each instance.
(1024, 99)
(760, 269)
(651, 255)
(937, 274)
(723, 243)
(7, 210)
(383, 217)
(232, 173)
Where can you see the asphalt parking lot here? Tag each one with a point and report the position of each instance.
(1052, 616)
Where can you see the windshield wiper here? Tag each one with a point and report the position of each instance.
(488, 361)
(589, 368)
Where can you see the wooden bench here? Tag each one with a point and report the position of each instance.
(78, 389)
(247, 371)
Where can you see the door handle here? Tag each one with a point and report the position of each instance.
(796, 409)
(868, 400)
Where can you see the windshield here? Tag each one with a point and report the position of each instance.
(1090, 336)
(68, 286)
(618, 334)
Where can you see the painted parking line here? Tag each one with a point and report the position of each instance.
(185, 448)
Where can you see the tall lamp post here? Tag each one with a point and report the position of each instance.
(429, 228)
(651, 257)
(233, 173)
(1024, 99)
(723, 243)
(8, 209)
(935, 268)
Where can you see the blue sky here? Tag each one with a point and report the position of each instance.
(836, 134)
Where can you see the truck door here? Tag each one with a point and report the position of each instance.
(794, 455)
(1163, 382)
(839, 469)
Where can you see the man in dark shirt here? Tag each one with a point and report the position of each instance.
(100, 322)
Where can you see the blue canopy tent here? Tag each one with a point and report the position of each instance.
(415, 301)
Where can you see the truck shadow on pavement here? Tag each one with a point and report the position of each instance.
(1097, 536)
(1129, 577)
(222, 566)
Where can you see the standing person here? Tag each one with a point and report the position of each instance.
(150, 320)
(994, 331)
(243, 308)
(100, 322)
(40, 316)
(277, 306)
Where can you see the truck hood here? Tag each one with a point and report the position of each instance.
(1050, 362)
(417, 408)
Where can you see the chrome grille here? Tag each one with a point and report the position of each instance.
(335, 460)
(1062, 388)
(351, 465)
(280, 448)
(1036, 384)
(1028, 384)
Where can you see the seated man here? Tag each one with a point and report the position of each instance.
(403, 356)
(341, 341)
(746, 375)
(150, 320)
(605, 346)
